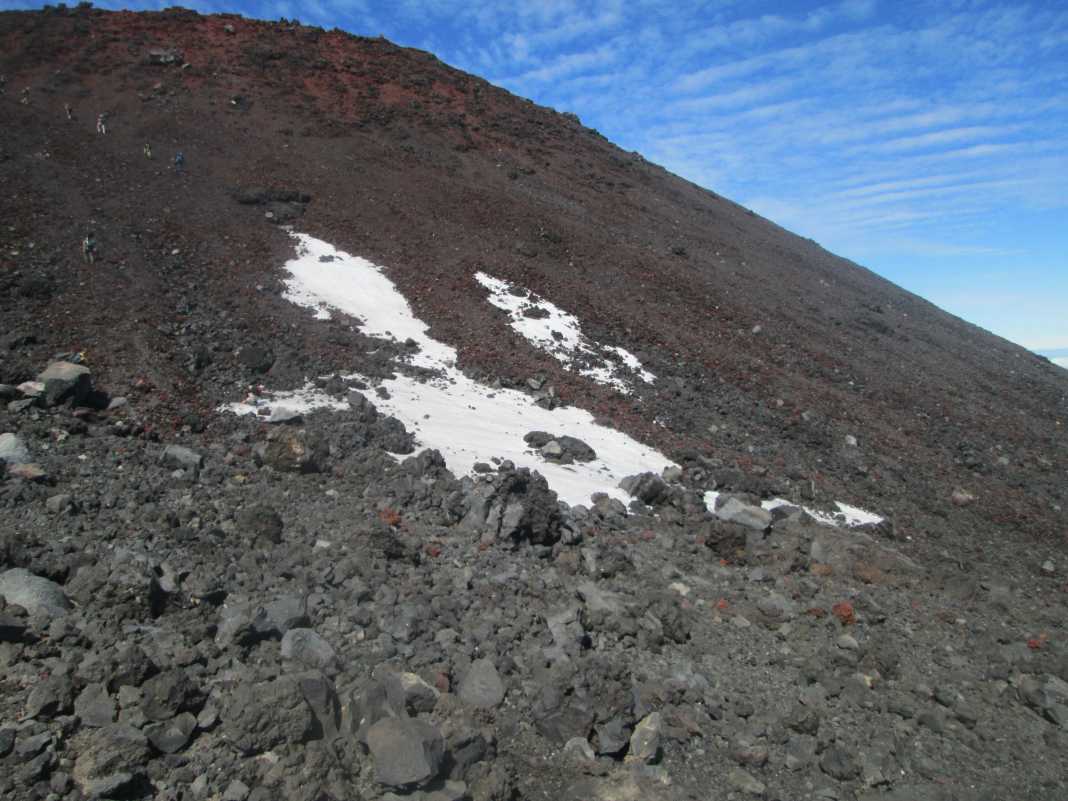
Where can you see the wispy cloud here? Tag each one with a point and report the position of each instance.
(570, 64)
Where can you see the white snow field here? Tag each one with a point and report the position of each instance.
(560, 334)
(466, 421)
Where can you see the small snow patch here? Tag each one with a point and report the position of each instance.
(847, 515)
(559, 333)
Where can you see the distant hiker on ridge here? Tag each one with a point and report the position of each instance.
(89, 248)
(70, 113)
(102, 123)
(148, 150)
(179, 162)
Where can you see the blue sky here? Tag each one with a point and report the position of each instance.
(925, 139)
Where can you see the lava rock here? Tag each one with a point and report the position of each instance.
(34, 593)
(51, 696)
(734, 511)
(649, 488)
(406, 751)
(94, 706)
(173, 735)
(65, 381)
(645, 741)
(517, 505)
(111, 761)
(309, 649)
(419, 696)
(259, 717)
(169, 693)
(482, 686)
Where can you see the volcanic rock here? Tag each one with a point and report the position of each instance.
(406, 751)
(36, 593)
(65, 381)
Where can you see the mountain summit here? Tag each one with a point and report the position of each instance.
(399, 437)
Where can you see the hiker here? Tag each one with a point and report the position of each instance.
(25, 100)
(70, 112)
(89, 248)
(102, 123)
(179, 162)
(148, 150)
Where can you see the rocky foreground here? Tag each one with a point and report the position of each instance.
(285, 610)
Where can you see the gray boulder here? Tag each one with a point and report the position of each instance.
(645, 741)
(309, 649)
(13, 450)
(482, 686)
(406, 751)
(648, 488)
(576, 449)
(35, 593)
(419, 696)
(552, 450)
(321, 696)
(259, 717)
(538, 439)
(171, 692)
(51, 696)
(734, 511)
(94, 706)
(110, 760)
(516, 505)
(65, 381)
(173, 735)
(564, 449)
(382, 698)
(246, 622)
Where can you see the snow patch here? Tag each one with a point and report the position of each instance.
(846, 516)
(559, 333)
(298, 401)
(466, 421)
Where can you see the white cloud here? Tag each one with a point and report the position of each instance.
(567, 65)
(943, 137)
(744, 96)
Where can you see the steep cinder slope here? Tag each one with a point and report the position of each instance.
(437, 174)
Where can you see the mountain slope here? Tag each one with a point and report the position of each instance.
(436, 174)
(781, 369)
